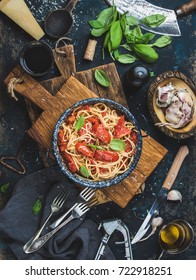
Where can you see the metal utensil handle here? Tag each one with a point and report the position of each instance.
(37, 234)
(102, 246)
(59, 220)
(186, 8)
(128, 250)
(174, 169)
(38, 243)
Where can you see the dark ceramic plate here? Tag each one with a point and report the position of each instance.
(121, 110)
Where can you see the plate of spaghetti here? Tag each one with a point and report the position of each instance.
(97, 142)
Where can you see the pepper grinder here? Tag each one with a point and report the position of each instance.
(137, 76)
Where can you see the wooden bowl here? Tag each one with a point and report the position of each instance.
(180, 81)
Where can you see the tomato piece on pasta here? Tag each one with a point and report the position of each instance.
(133, 137)
(107, 156)
(83, 149)
(102, 133)
(120, 130)
(70, 162)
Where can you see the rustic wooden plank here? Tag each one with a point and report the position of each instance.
(114, 91)
(70, 93)
(65, 61)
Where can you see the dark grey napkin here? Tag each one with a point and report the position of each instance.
(78, 240)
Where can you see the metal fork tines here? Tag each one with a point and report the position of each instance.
(55, 206)
(84, 196)
(78, 211)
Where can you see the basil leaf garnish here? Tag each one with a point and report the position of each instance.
(102, 78)
(37, 207)
(79, 123)
(84, 171)
(117, 145)
(4, 188)
(95, 147)
(153, 20)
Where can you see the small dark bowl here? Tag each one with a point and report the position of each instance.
(121, 110)
(36, 58)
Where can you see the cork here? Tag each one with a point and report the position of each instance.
(90, 49)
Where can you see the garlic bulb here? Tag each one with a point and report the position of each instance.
(165, 95)
(179, 106)
(156, 222)
(174, 195)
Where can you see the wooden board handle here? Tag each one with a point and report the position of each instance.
(174, 169)
(186, 8)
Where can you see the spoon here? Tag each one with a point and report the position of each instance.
(59, 22)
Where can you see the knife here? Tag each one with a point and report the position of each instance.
(169, 180)
(141, 8)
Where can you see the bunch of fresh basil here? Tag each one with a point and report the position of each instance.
(124, 31)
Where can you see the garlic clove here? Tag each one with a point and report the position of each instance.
(174, 195)
(157, 221)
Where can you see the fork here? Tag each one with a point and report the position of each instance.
(55, 206)
(84, 196)
(78, 211)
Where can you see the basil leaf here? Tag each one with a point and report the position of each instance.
(134, 36)
(106, 16)
(162, 41)
(37, 206)
(95, 24)
(153, 20)
(106, 40)
(105, 43)
(84, 171)
(123, 23)
(4, 188)
(147, 37)
(116, 34)
(127, 47)
(117, 145)
(126, 58)
(79, 123)
(146, 53)
(99, 32)
(116, 54)
(131, 21)
(95, 147)
(102, 78)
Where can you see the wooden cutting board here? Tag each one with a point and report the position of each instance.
(55, 95)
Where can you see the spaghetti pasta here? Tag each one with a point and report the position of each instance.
(96, 142)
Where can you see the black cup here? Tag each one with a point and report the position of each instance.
(36, 58)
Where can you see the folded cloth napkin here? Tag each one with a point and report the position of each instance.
(78, 240)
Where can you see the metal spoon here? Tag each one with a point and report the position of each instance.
(59, 22)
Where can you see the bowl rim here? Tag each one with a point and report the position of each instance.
(80, 180)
